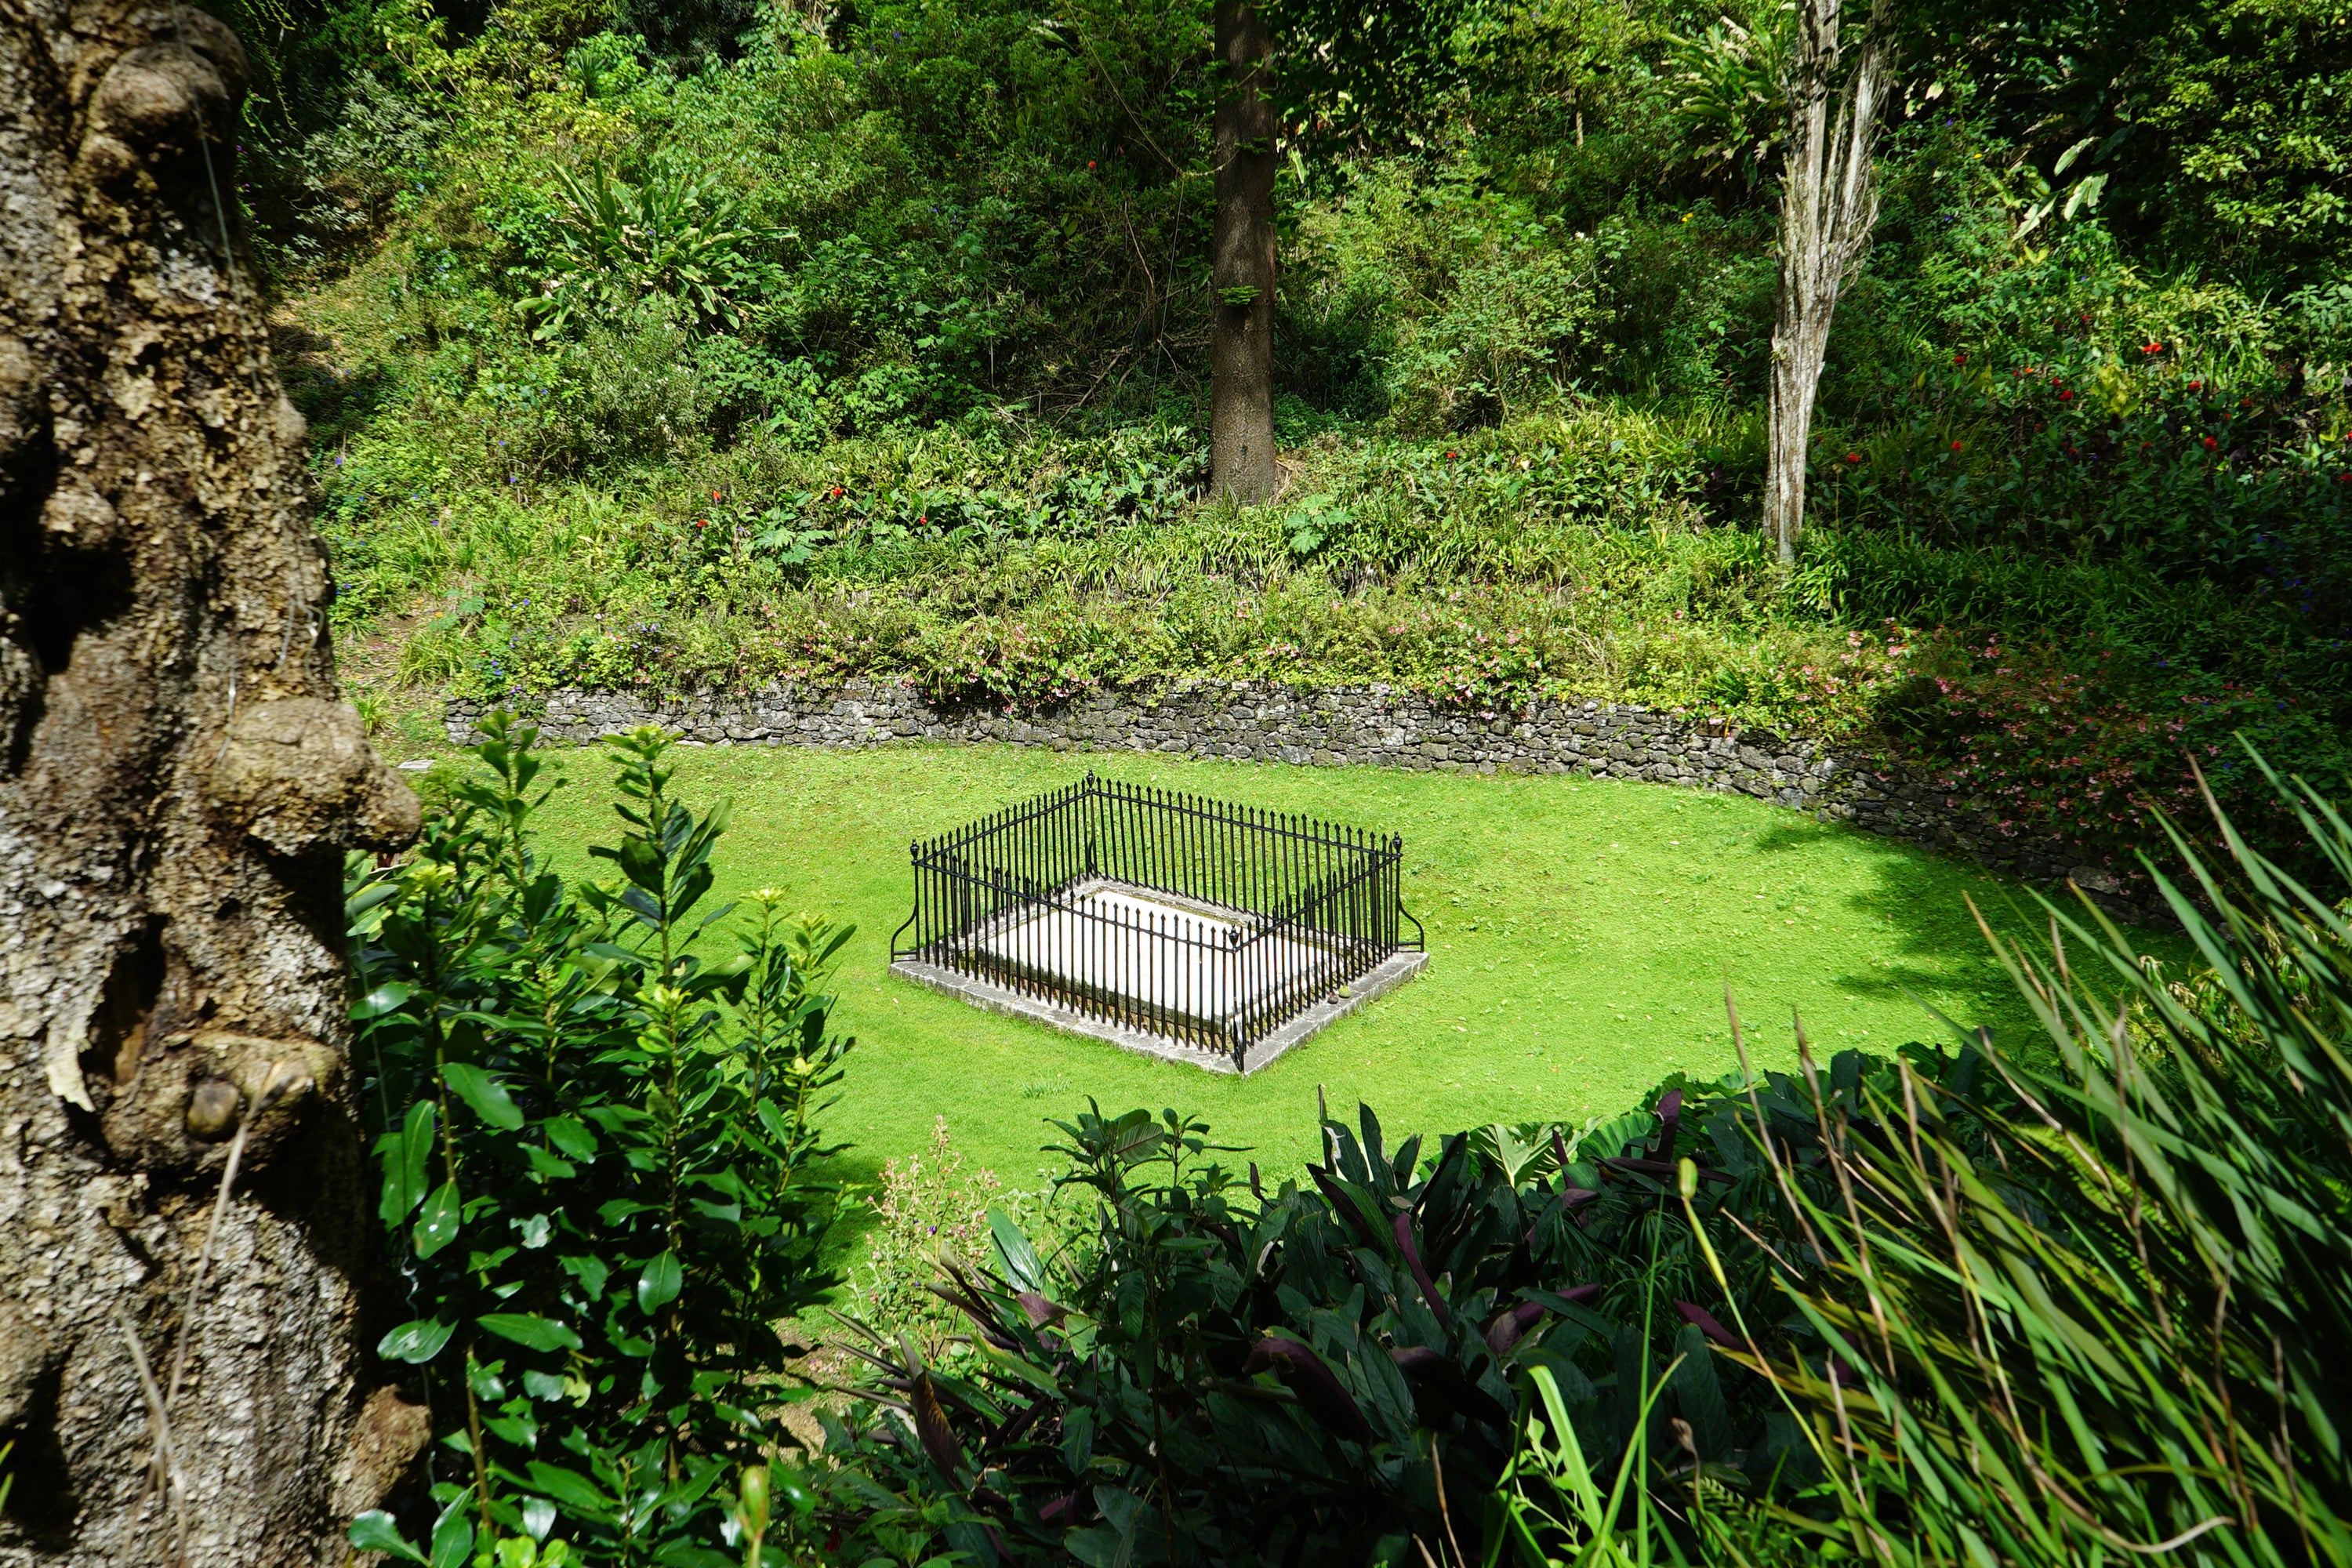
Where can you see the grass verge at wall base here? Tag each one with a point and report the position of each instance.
(1379, 725)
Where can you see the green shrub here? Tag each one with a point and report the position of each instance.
(599, 1149)
(1223, 1372)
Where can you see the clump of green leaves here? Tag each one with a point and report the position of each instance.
(927, 1207)
(616, 241)
(1225, 1373)
(597, 1118)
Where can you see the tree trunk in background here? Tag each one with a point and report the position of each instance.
(1829, 201)
(177, 781)
(1241, 340)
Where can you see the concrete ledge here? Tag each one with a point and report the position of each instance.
(1399, 968)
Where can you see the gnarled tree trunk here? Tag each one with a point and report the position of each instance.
(1241, 339)
(1828, 203)
(177, 783)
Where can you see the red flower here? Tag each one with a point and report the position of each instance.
(837, 492)
(1956, 446)
(1959, 359)
(1854, 457)
(1451, 456)
(1091, 163)
(2153, 349)
(702, 522)
(2196, 386)
(2344, 478)
(2066, 397)
(2211, 443)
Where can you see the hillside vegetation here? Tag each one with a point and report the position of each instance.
(679, 347)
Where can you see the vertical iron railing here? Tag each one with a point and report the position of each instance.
(1289, 909)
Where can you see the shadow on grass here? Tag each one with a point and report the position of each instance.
(1929, 943)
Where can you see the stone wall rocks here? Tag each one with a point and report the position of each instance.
(1350, 725)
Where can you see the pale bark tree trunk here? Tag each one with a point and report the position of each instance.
(1240, 338)
(1828, 203)
(177, 781)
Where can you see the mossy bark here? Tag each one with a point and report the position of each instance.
(178, 782)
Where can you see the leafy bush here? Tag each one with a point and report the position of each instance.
(2087, 754)
(1221, 1374)
(612, 242)
(599, 1151)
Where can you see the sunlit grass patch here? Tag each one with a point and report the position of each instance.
(1583, 936)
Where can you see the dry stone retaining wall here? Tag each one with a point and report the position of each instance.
(1357, 725)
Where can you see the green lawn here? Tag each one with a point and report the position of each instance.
(1582, 935)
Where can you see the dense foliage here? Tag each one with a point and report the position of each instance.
(2106, 1320)
(600, 1159)
(664, 347)
(1221, 1374)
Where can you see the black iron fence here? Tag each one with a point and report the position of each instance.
(1203, 922)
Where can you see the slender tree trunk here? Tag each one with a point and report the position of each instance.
(1828, 203)
(177, 781)
(1241, 340)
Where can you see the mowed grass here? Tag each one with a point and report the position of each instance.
(1583, 936)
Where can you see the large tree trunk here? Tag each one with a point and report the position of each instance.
(1241, 340)
(177, 781)
(1828, 203)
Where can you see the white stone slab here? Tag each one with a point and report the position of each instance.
(1120, 943)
